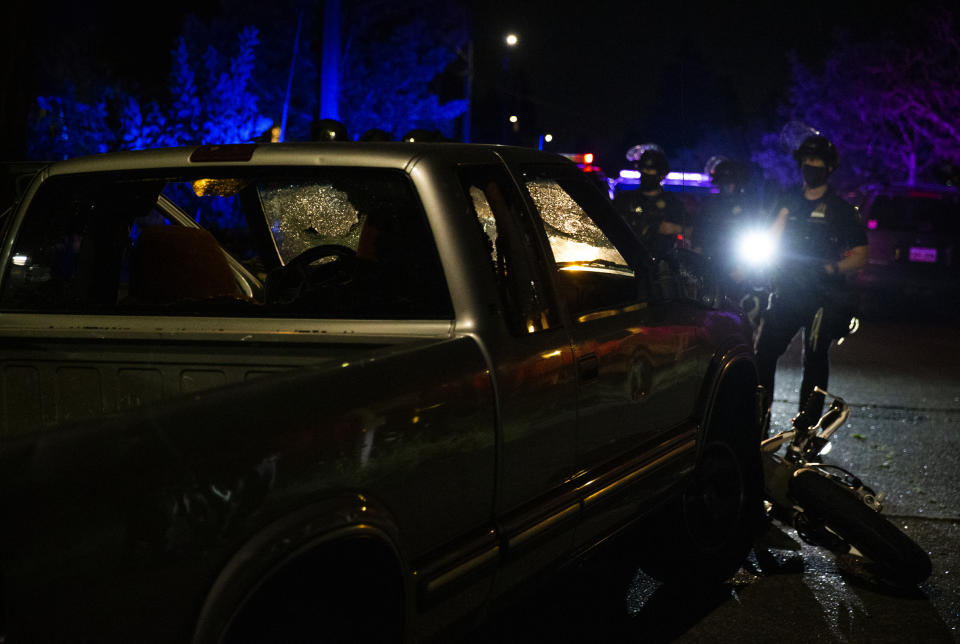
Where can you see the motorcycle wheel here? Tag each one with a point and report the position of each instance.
(831, 503)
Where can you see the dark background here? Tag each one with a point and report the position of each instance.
(608, 75)
(600, 76)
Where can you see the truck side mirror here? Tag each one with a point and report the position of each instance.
(666, 285)
(693, 278)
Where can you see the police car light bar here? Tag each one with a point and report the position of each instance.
(688, 177)
(674, 178)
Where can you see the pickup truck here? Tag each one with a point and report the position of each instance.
(347, 392)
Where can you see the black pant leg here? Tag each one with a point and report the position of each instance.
(817, 338)
(780, 324)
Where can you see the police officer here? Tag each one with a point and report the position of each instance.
(657, 216)
(375, 134)
(820, 242)
(722, 218)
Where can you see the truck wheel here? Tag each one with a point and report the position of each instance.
(828, 502)
(704, 537)
(340, 596)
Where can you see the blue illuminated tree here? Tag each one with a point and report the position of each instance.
(216, 105)
(211, 101)
(394, 60)
(236, 74)
(63, 126)
(285, 34)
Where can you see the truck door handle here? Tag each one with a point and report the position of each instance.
(588, 366)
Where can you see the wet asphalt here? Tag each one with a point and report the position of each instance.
(902, 381)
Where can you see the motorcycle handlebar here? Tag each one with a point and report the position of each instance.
(773, 443)
(828, 424)
(835, 417)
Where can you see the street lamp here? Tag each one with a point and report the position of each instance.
(511, 40)
(508, 95)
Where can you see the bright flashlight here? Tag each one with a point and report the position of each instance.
(756, 248)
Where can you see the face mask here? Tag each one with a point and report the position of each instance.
(649, 182)
(814, 176)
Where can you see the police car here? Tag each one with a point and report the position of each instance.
(913, 233)
(587, 161)
(692, 187)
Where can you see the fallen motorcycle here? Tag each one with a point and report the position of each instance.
(830, 507)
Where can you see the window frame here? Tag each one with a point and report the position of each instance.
(610, 224)
(545, 311)
(254, 220)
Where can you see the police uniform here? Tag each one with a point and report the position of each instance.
(721, 219)
(644, 213)
(817, 232)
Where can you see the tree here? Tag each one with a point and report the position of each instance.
(893, 109)
(63, 126)
(282, 60)
(916, 96)
(239, 72)
(394, 59)
(211, 101)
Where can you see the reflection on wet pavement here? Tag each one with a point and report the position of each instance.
(786, 591)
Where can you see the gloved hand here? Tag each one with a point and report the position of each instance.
(829, 273)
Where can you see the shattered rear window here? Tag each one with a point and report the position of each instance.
(264, 242)
(304, 215)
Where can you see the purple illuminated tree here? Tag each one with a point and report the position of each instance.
(917, 96)
(893, 109)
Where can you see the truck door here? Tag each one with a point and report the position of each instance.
(637, 368)
(536, 383)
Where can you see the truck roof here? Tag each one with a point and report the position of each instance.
(385, 154)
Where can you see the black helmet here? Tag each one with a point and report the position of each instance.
(723, 171)
(329, 130)
(376, 134)
(820, 147)
(649, 156)
(717, 167)
(726, 172)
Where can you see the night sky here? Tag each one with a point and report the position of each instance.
(608, 75)
(600, 76)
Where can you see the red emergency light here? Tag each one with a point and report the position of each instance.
(582, 158)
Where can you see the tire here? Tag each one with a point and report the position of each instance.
(342, 596)
(827, 501)
(703, 538)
